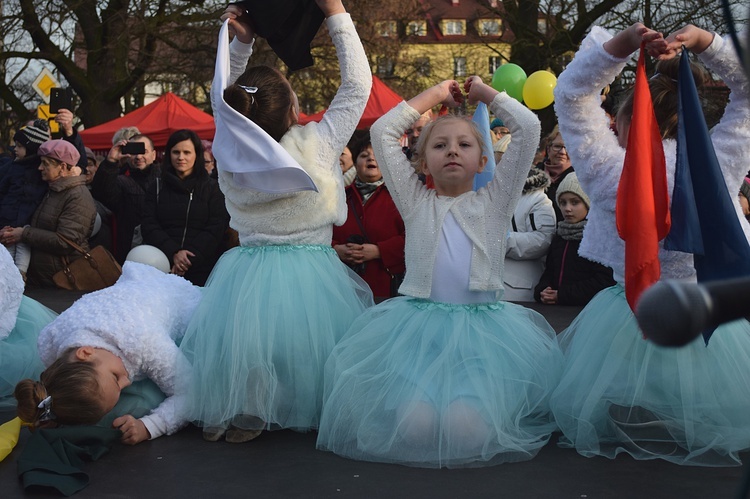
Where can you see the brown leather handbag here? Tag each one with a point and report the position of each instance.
(96, 269)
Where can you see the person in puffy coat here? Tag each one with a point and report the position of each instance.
(67, 209)
(185, 216)
(532, 230)
(570, 279)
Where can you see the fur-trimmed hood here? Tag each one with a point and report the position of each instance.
(536, 180)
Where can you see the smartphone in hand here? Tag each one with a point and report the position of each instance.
(134, 148)
(60, 98)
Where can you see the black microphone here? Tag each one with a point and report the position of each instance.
(673, 313)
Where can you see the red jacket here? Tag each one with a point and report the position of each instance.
(384, 227)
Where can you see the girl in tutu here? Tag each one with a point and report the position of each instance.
(619, 392)
(21, 319)
(104, 342)
(447, 375)
(275, 306)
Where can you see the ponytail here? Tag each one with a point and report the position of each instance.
(68, 393)
(268, 104)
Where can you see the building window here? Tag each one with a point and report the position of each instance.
(459, 66)
(495, 62)
(416, 28)
(422, 66)
(541, 25)
(387, 28)
(386, 66)
(454, 27)
(489, 27)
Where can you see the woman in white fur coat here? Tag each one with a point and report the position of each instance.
(105, 341)
(275, 306)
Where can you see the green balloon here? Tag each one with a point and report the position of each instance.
(511, 79)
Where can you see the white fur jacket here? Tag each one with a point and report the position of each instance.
(138, 319)
(598, 158)
(306, 217)
(11, 292)
(484, 215)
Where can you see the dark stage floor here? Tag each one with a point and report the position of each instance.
(285, 464)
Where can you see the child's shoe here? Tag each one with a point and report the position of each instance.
(213, 433)
(238, 435)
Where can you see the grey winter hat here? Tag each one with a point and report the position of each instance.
(570, 184)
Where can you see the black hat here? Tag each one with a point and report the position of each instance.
(32, 136)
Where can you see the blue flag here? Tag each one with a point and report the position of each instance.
(704, 220)
(482, 119)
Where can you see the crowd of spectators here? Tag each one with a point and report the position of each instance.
(127, 197)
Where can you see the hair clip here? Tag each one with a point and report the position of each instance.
(250, 90)
(46, 406)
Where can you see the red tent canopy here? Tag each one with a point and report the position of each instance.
(158, 120)
(382, 99)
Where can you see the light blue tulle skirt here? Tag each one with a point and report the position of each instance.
(434, 385)
(621, 393)
(19, 355)
(258, 341)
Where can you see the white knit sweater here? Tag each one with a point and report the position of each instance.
(11, 291)
(306, 217)
(483, 215)
(138, 319)
(598, 158)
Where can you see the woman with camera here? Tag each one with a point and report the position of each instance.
(371, 241)
(185, 216)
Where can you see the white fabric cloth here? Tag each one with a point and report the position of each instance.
(242, 148)
(484, 216)
(527, 247)
(138, 319)
(306, 217)
(598, 158)
(11, 291)
(451, 284)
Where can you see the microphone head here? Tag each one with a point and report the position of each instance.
(672, 313)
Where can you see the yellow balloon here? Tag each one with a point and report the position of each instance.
(538, 89)
(9, 433)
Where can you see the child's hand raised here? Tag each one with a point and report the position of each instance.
(331, 7)
(629, 40)
(478, 91)
(448, 93)
(239, 23)
(693, 38)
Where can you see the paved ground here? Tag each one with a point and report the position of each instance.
(285, 464)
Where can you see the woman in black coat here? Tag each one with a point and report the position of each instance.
(185, 216)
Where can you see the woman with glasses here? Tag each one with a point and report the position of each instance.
(557, 165)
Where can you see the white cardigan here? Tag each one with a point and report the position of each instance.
(598, 158)
(483, 215)
(138, 319)
(306, 217)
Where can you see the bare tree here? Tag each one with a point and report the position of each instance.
(105, 51)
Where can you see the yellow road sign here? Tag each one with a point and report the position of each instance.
(43, 83)
(42, 111)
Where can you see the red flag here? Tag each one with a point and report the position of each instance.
(642, 197)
